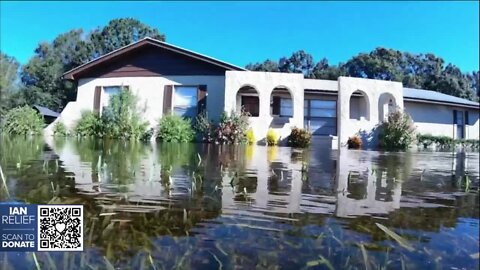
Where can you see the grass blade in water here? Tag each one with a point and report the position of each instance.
(36, 261)
(108, 264)
(4, 180)
(365, 257)
(402, 242)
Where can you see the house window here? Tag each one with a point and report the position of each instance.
(459, 120)
(321, 116)
(185, 101)
(286, 107)
(250, 105)
(108, 92)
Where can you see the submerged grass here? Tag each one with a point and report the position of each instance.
(400, 240)
(188, 230)
(4, 181)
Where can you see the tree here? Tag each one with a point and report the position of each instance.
(425, 71)
(268, 65)
(8, 80)
(120, 32)
(474, 78)
(381, 64)
(41, 76)
(299, 62)
(324, 71)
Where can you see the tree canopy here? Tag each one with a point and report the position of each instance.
(41, 81)
(9, 67)
(425, 71)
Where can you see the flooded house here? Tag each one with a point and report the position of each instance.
(169, 79)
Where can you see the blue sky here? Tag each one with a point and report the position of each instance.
(243, 32)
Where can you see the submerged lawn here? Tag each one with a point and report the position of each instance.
(194, 206)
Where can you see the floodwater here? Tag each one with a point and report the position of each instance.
(195, 206)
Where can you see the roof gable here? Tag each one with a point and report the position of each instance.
(150, 57)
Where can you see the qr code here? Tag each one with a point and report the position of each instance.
(60, 228)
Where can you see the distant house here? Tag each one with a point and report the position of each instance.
(48, 115)
(169, 79)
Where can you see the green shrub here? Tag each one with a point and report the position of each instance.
(60, 130)
(250, 136)
(23, 121)
(204, 127)
(121, 119)
(173, 128)
(472, 143)
(147, 135)
(272, 137)
(232, 128)
(299, 137)
(89, 124)
(354, 142)
(397, 133)
(445, 141)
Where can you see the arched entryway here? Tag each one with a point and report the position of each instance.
(281, 103)
(386, 105)
(248, 100)
(359, 106)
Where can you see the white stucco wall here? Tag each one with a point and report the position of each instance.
(150, 92)
(437, 120)
(264, 83)
(373, 91)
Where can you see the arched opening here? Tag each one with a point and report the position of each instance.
(386, 105)
(359, 107)
(281, 103)
(248, 100)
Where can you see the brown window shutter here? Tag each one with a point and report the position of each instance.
(167, 99)
(276, 106)
(96, 99)
(467, 122)
(201, 98)
(454, 116)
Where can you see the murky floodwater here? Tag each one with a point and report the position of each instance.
(194, 206)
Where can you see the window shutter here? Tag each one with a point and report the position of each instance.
(454, 116)
(167, 99)
(276, 106)
(96, 99)
(466, 118)
(201, 98)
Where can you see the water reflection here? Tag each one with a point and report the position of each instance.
(193, 205)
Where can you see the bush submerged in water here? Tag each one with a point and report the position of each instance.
(445, 141)
(119, 120)
(231, 129)
(204, 127)
(23, 121)
(299, 137)
(60, 130)
(354, 142)
(272, 137)
(89, 125)
(173, 128)
(397, 133)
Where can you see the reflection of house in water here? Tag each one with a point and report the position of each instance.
(263, 182)
(362, 190)
(278, 186)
